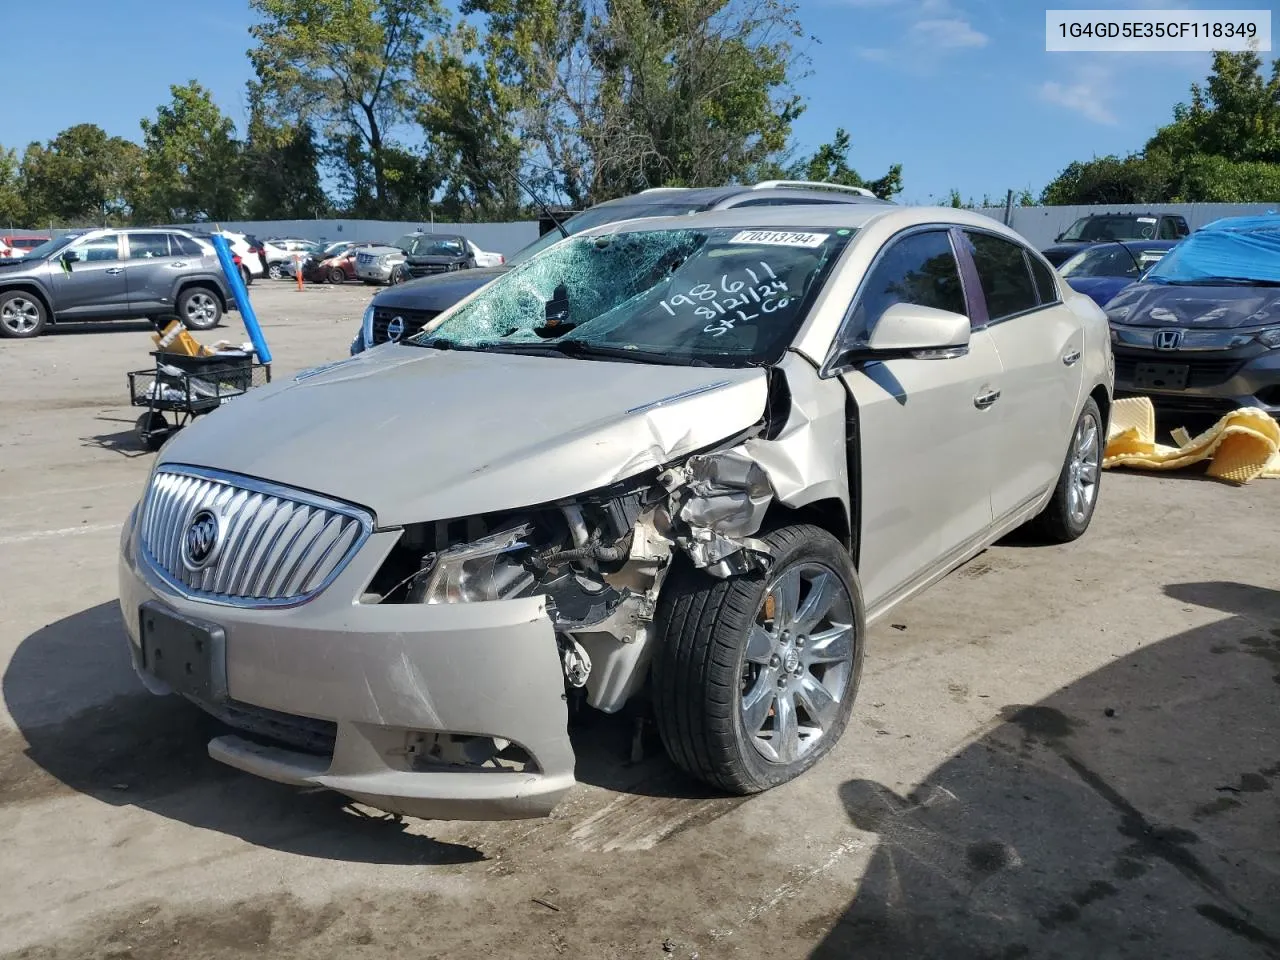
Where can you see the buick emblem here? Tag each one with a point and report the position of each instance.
(1167, 339)
(201, 540)
(395, 329)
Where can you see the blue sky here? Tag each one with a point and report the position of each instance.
(961, 92)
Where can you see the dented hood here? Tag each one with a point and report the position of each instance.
(417, 434)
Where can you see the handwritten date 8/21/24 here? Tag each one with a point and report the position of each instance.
(724, 302)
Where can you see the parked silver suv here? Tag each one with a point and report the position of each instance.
(691, 455)
(113, 275)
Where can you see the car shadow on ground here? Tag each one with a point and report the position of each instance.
(1130, 814)
(102, 326)
(85, 725)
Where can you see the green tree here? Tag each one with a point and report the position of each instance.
(830, 164)
(192, 169)
(612, 96)
(1222, 146)
(281, 172)
(344, 65)
(468, 119)
(13, 210)
(80, 177)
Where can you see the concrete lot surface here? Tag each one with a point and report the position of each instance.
(1056, 752)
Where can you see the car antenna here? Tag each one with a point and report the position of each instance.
(542, 206)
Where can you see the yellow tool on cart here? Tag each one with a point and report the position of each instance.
(189, 379)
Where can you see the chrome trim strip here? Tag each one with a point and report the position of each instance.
(675, 397)
(166, 512)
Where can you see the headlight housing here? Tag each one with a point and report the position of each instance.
(1269, 337)
(481, 570)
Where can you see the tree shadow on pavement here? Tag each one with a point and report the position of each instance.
(85, 725)
(1133, 813)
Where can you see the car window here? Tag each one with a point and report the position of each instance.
(1002, 271)
(186, 246)
(1104, 260)
(1046, 286)
(1168, 229)
(148, 246)
(98, 250)
(921, 269)
(1181, 228)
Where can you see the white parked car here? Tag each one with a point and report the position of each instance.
(483, 258)
(280, 252)
(680, 460)
(249, 249)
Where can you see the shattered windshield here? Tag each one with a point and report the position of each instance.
(720, 296)
(600, 215)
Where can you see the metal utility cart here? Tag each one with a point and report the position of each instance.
(185, 387)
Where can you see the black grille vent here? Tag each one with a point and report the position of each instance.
(386, 327)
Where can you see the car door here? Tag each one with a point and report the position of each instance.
(151, 268)
(926, 430)
(1041, 346)
(93, 283)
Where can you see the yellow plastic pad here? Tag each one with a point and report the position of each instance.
(1242, 446)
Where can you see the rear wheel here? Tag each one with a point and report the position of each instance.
(199, 309)
(151, 429)
(275, 271)
(756, 676)
(245, 275)
(22, 315)
(1069, 512)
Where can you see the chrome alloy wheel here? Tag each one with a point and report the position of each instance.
(1082, 479)
(201, 308)
(20, 315)
(798, 664)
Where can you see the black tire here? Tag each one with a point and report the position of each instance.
(22, 315)
(199, 308)
(703, 663)
(337, 275)
(275, 271)
(397, 276)
(1061, 521)
(245, 275)
(152, 429)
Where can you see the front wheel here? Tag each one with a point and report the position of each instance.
(337, 275)
(275, 271)
(199, 308)
(755, 676)
(22, 315)
(1071, 509)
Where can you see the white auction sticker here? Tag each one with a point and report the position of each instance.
(1137, 31)
(779, 238)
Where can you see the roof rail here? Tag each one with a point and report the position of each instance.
(663, 189)
(814, 185)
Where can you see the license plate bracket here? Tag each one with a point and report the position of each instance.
(1161, 376)
(189, 655)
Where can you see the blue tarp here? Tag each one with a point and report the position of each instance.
(1246, 247)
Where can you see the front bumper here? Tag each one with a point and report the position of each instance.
(376, 677)
(375, 272)
(1217, 382)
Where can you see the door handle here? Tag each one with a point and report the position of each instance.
(178, 264)
(113, 271)
(984, 400)
(1072, 358)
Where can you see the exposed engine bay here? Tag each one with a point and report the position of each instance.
(600, 559)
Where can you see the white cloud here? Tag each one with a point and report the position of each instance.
(1084, 98)
(952, 33)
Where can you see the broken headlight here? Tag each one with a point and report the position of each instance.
(490, 568)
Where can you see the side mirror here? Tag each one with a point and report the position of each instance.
(909, 330)
(70, 257)
(1058, 238)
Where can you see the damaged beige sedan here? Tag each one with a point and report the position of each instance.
(678, 461)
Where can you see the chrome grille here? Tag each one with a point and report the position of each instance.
(275, 546)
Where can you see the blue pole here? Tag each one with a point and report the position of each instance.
(236, 282)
